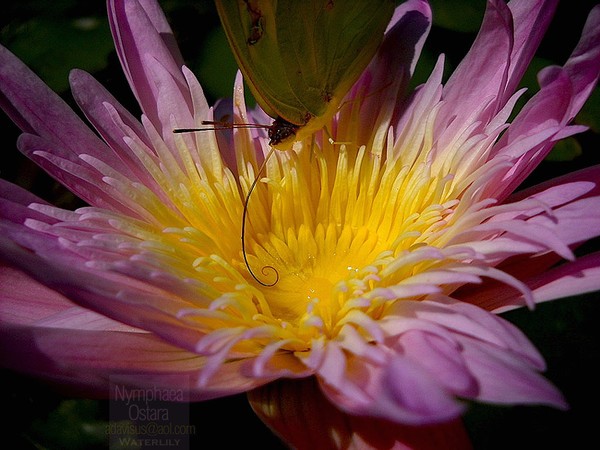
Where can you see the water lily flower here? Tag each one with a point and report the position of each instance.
(395, 243)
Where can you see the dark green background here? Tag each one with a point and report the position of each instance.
(54, 36)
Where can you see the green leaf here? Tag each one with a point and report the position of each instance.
(590, 113)
(86, 426)
(565, 150)
(458, 15)
(216, 66)
(52, 46)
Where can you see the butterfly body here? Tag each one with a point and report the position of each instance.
(281, 131)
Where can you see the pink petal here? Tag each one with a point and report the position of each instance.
(531, 19)
(563, 92)
(14, 202)
(39, 111)
(399, 390)
(86, 360)
(504, 378)
(142, 34)
(513, 339)
(440, 358)
(57, 135)
(512, 34)
(273, 365)
(92, 99)
(17, 194)
(121, 298)
(475, 79)
(25, 301)
(543, 114)
(583, 65)
(575, 202)
(558, 191)
(43, 333)
(568, 279)
(384, 82)
(173, 103)
(418, 107)
(464, 319)
(81, 179)
(578, 277)
(575, 222)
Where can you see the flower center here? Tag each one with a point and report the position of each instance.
(343, 229)
(331, 236)
(317, 272)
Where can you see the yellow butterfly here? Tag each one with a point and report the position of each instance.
(300, 57)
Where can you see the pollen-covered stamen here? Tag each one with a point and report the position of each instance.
(335, 222)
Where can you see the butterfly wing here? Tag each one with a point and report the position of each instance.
(300, 57)
(326, 44)
(250, 27)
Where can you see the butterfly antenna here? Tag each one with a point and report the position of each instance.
(265, 269)
(215, 125)
(220, 125)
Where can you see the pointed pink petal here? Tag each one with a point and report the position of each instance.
(18, 194)
(459, 318)
(475, 79)
(44, 334)
(578, 277)
(272, 363)
(531, 19)
(568, 279)
(419, 105)
(542, 116)
(505, 379)
(142, 34)
(512, 34)
(74, 173)
(121, 298)
(25, 301)
(441, 358)
(41, 112)
(575, 202)
(14, 201)
(583, 65)
(54, 333)
(568, 187)
(91, 97)
(173, 102)
(84, 361)
(575, 222)
(563, 92)
(55, 136)
(399, 390)
(384, 82)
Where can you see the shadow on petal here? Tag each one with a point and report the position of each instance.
(303, 418)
